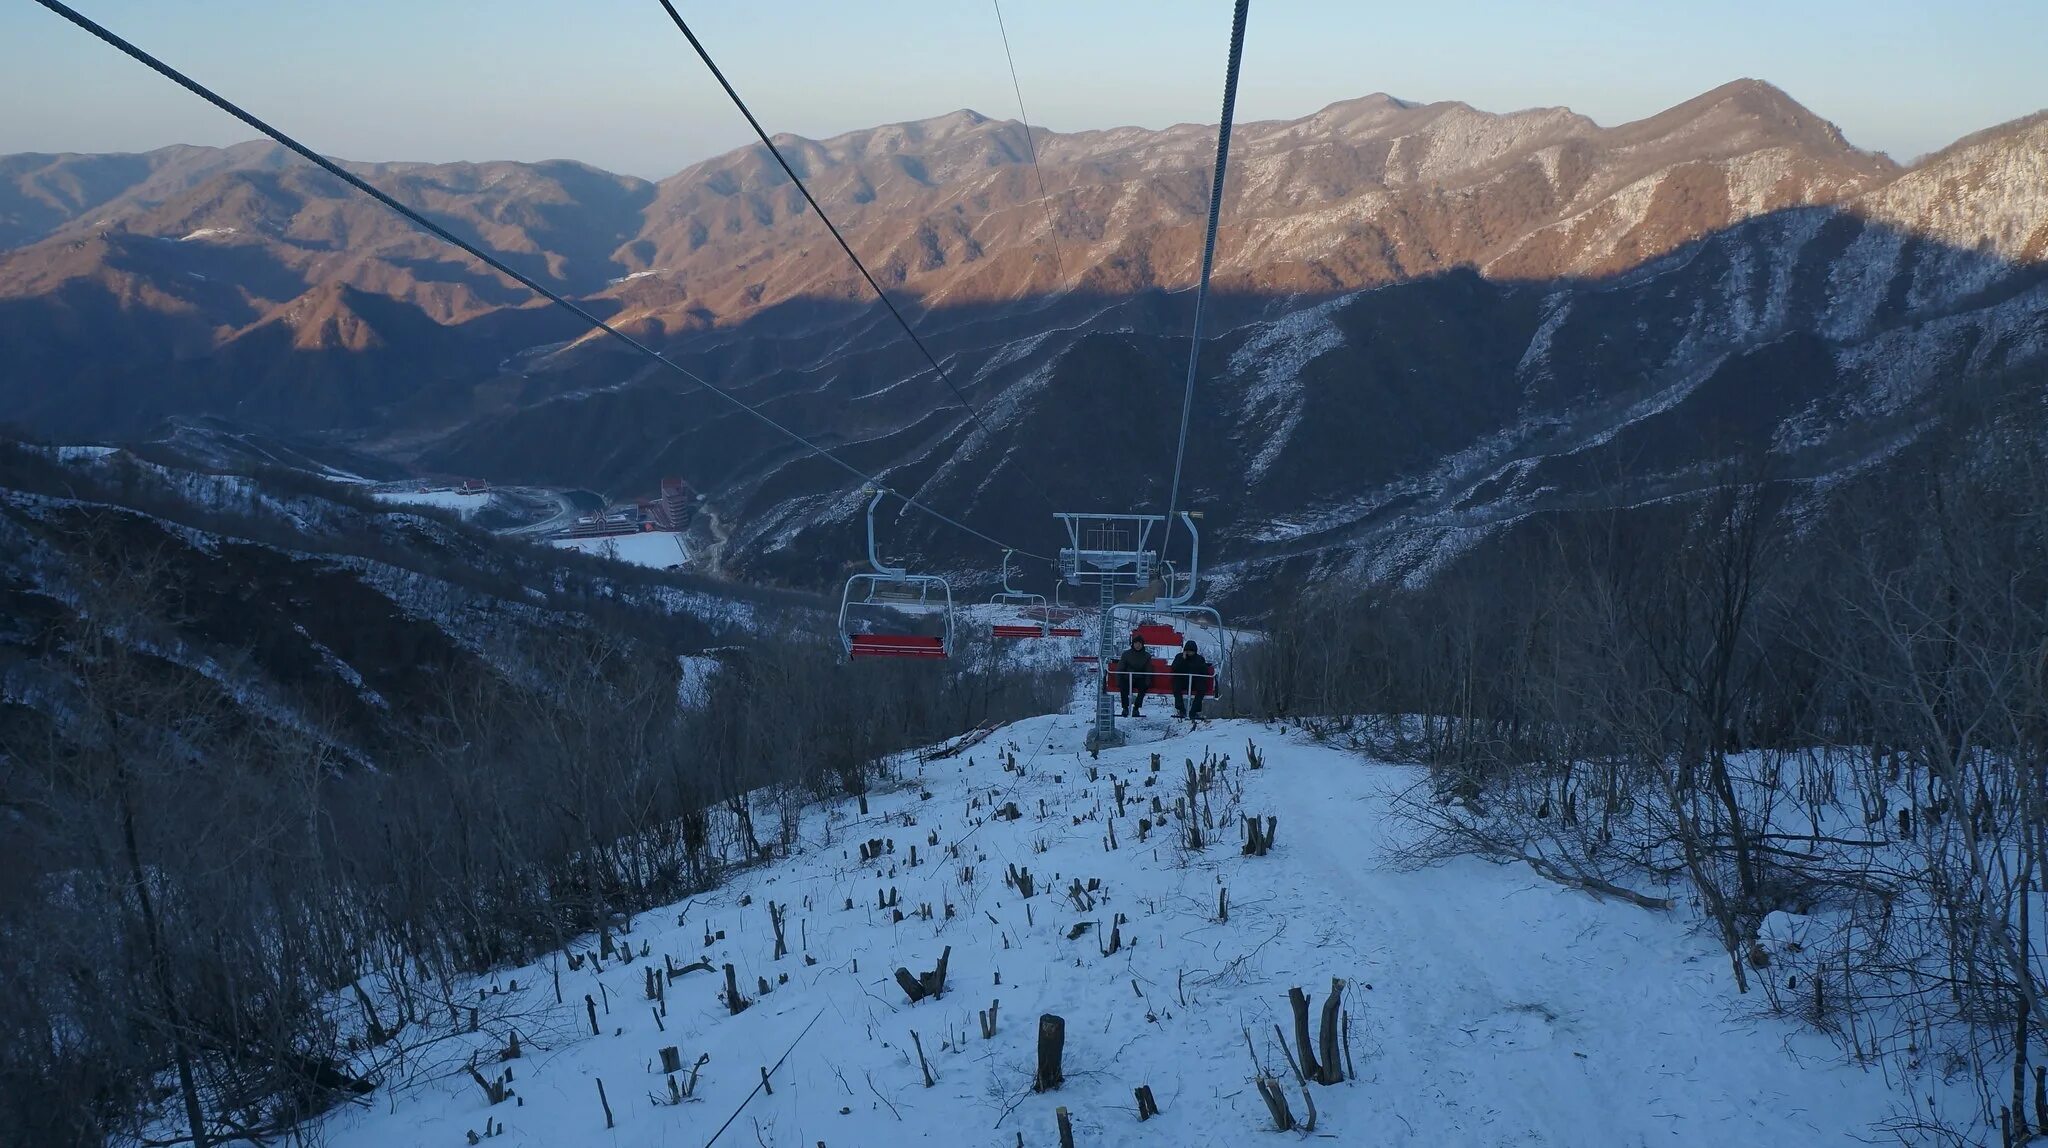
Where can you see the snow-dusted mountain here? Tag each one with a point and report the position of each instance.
(1433, 319)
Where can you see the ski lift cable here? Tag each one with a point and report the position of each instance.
(1031, 146)
(1187, 402)
(442, 233)
(719, 75)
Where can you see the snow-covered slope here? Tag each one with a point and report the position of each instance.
(659, 549)
(1486, 1007)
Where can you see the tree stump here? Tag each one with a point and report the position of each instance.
(1052, 1044)
(1147, 1106)
(1307, 1065)
(734, 1002)
(1275, 1096)
(1258, 839)
(1333, 1066)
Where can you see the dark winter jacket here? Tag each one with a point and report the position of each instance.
(1136, 661)
(1191, 672)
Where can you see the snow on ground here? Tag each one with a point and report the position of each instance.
(660, 549)
(455, 500)
(77, 453)
(1489, 1008)
(694, 688)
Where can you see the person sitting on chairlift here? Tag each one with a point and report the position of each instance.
(1189, 674)
(1134, 676)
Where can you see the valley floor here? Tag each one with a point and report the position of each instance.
(1488, 1007)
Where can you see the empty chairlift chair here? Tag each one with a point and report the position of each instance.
(892, 613)
(1029, 606)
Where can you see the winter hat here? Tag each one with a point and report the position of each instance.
(1190, 647)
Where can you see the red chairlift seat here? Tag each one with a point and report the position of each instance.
(1015, 630)
(895, 646)
(1160, 634)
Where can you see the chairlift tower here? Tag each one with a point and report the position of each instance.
(1111, 550)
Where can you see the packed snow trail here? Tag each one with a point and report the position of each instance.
(1489, 1008)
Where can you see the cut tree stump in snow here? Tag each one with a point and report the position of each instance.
(911, 988)
(1256, 839)
(734, 1002)
(1306, 1067)
(494, 1090)
(1066, 1127)
(1052, 1043)
(606, 1103)
(1022, 881)
(988, 1018)
(931, 984)
(590, 1005)
(1275, 1095)
(1147, 1106)
(1332, 1066)
(778, 918)
(671, 1059)
(1116, 938)
(1300, 1078)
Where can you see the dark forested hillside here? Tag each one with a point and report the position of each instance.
(262, 738)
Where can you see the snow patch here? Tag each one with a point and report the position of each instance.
(1275, 357)
(659, 549)
(465, 503)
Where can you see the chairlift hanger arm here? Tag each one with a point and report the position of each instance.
(875, 555)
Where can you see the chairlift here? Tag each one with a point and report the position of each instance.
(1027, 604)
(1160, 624)
(1164, 627)
(1061, 612)
(891, 613)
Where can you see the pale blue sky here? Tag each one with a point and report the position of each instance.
(612, 83)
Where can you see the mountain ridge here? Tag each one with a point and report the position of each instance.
(1503, 282)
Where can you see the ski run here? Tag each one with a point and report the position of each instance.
(1486, 1006)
